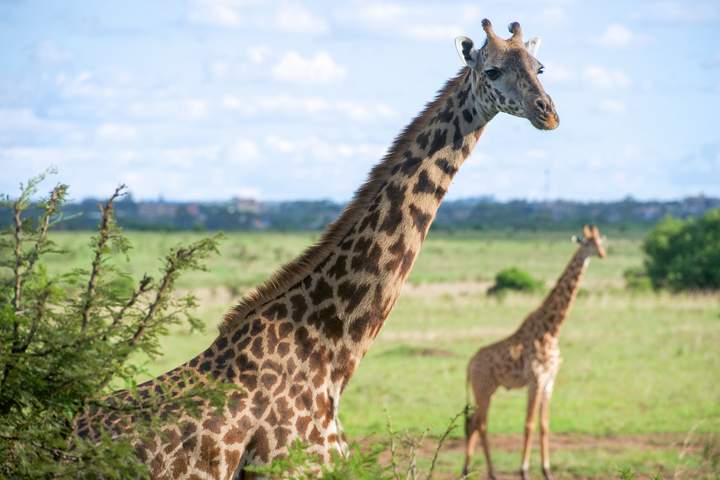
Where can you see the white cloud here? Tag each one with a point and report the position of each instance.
(101, 84)
(610, 105)
(381, 13)
(605, 78)
(40, 158)
(241, 65)
(240, 152)
(49, 53)
(319, 150)
(432, 31)
(22, 126)
(552, 15)
(318, 69)
(298, 19)
(682, 12)
(195, 108)
(314, 106)
(220, 13)
(617, 35)
(422, 23)
(116, 131)
(557, 73)
(360, 111)
(24, 120)
(170, 108)
(219, 69)
(258, 53)
(537, 154)
(84, 85)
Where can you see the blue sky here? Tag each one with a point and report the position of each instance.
(204, 100)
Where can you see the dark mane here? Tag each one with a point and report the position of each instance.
(294, 271)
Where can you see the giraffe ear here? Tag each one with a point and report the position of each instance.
(466, 49)
(575, 239)
(532, 46)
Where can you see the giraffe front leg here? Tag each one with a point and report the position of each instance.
(545, 429)
(534, 395)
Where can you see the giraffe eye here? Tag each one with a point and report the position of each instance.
(541, 70)
(493, 73)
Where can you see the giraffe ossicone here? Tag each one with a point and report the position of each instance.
(294, 342)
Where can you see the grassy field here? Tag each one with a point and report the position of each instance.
(639, 386)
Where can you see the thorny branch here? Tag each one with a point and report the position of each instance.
(103, 237)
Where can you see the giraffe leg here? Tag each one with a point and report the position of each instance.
(471, 437)
(545, 430)
(478, 430)
(532, 408)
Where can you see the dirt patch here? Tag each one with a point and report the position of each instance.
(574, 441)
(559, 441)
(412, 351)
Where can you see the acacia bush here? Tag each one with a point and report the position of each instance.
(402, 462)
(684, 254)
(514, 279)
(67, 338)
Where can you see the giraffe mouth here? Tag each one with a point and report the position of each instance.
(545, 120)
(542, 111)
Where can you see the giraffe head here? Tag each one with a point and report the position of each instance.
(506, 73)
(591, 241)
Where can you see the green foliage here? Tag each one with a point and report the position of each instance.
(514, 279)
(357, 464)
(627, 473)
(298, 464)
(684, 254)
(636, 280)
(65, 337)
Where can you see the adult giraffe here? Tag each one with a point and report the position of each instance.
(295, 341)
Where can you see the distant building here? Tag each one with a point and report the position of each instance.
(157, 210)
(245, 205)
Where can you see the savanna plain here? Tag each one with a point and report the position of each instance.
(639, 388)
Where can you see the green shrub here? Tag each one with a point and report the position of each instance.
(514, 279)
(65, 338)
(403, 448)
(684, 254)
(637, 280)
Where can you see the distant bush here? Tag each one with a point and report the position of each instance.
(684, 254)
(514, 279)
(637, 280)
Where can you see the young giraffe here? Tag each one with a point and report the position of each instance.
(529, 357)
(295, 341)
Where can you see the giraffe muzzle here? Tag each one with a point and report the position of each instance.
(543, 115)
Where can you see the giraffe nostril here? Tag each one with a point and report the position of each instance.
(541, 105)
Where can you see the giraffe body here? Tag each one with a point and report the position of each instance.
(530, 357)
(294, 342)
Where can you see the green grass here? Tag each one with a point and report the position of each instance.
(641, 364)
(631, 365)
(248, 258)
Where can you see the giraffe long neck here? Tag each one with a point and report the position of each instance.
(557, 304)
(332, 301)
(381, 247)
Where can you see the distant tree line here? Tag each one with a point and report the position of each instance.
(466, 214)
